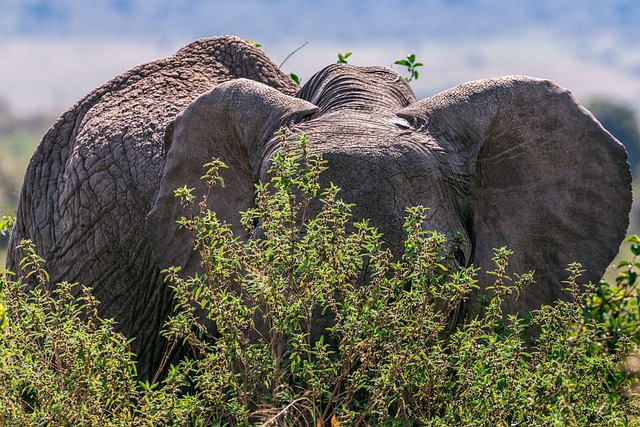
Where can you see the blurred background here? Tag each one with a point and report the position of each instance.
(53, 52)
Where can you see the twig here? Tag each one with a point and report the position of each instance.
(289, 56)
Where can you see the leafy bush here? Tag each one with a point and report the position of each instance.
(616, 308)
(59, 363)
(315, 323)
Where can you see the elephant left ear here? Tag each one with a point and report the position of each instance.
(537, 173)
(232, 122)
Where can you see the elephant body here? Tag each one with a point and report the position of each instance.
(94, 176)
(512, 161)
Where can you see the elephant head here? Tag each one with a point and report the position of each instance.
(511, 161)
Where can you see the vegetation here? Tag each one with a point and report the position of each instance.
(317, 324)
(411, 65)
(409, 62)
(388, 356)
(342, 58)
(18, 139)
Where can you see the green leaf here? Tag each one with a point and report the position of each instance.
(442, 267)
(403, 62)
(342, 59)
(6, 222)
(295, 78)
(634, 238)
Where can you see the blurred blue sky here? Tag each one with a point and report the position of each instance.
(54, 51)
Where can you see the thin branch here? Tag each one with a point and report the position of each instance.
(285, 411)
(289, 56)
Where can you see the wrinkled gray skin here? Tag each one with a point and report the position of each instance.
(94, 177)
(512, 161)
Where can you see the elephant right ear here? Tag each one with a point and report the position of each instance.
(232, 122)
(537, 173)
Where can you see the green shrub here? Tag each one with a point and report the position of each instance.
(60, 364)
(387, 354)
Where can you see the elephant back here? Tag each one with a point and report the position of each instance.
(93, 177)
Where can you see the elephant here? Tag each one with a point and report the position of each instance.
(511, 161)
(93, 178)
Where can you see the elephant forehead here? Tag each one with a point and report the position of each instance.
(384, 180)
(383, 167)
(372, 136)
(396, 173)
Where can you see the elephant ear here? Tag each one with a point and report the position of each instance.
(537, 173)
(101, 163)
(232, 122)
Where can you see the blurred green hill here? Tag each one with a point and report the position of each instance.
(19, 136)
(621, 121)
